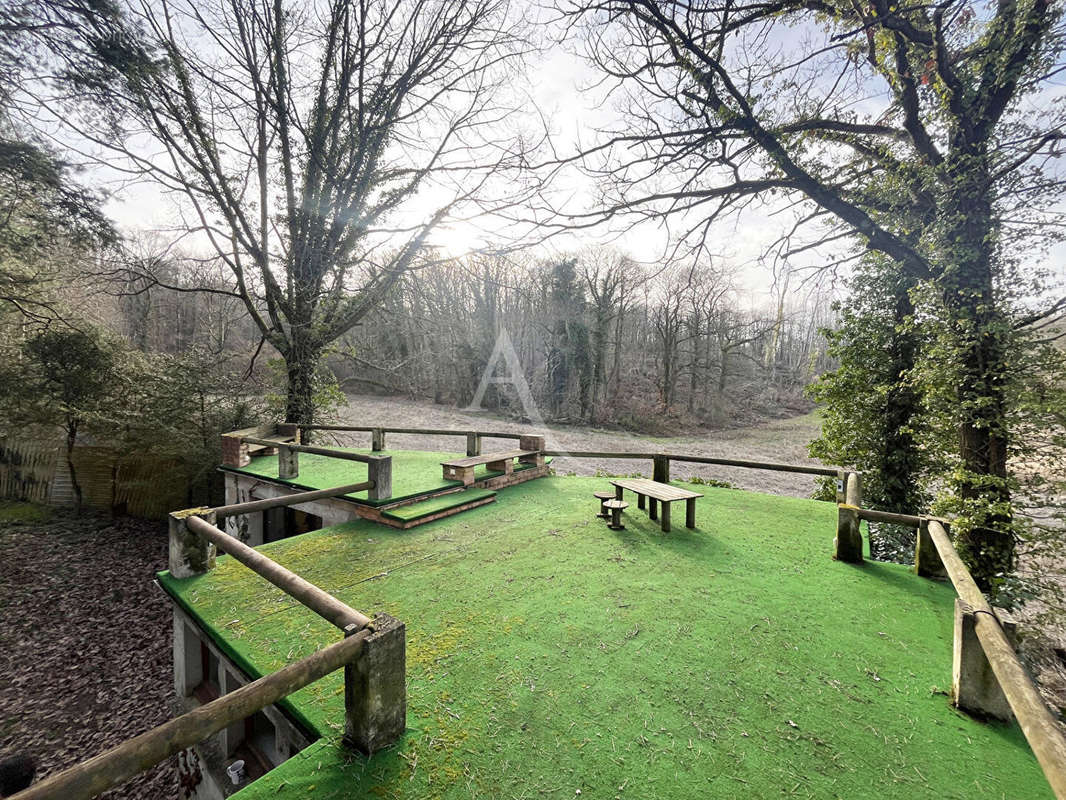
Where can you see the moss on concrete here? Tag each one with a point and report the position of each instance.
(548, 654)
(438, 504)
(413, 472)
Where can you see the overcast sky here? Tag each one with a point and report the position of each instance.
(559, 84)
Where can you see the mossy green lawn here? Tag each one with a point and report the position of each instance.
(413, 472)
(440, 503)
(548, 654)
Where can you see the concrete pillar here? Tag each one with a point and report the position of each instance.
(288, 462)
(473, 444)
(974, 688)
(375, 694)
(252, 528)
(230, 737)
(660, 469)
(379, 470)
(188, 667)
(377, 439)
(853, 489)
(848, 544)
(927, 561)
(189, 553)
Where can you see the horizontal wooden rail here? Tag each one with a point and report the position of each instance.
(424, 431)
(253, 506)
(770, 465)
(119, 764)
(870, 515)
(322, 603)
(1036, 721)
(317, 451)
(591, 454)
(725, 462)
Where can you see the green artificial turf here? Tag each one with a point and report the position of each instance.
(440, 503)
(413, 472)
(548, 655)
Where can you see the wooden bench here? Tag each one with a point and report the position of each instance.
(656, 493)
(462, 469)
(616, 507)
(603, 497)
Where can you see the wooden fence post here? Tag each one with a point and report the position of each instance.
(853, 489)
(190, 553)
(377, 439)
(288, 462)
(473, 444)
(841, 486)
(848, 544)
(379, 470)
(974, 687)
(660, 469)
(927, 561)
(375, 695)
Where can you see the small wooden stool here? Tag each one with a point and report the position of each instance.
(603, 497)
(616, 507)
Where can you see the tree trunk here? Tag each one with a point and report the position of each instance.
(599, 363)
(301, 360)
(72, 438)
(980, 334)
(900, 456)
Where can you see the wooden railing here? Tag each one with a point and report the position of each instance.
(374, 693)
(253, 506)
(378, 485)
(322, 603)
(982, 640)
(377, 434)
(117, 765)
(660, 461)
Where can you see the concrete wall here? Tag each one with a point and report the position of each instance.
(214, 755)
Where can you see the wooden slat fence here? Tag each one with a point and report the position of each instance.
(36, 471)
(27, 469)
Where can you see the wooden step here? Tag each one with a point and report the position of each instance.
(443, 506)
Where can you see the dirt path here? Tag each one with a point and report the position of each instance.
(85, 659)
(780, 440)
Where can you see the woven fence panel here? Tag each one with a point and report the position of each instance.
(138, 484)
(27, 469)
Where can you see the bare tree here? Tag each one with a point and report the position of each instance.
(318, 145)
(726, 107)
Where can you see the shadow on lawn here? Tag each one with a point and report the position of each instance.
(642, 533)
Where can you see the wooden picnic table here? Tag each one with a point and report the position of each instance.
(657, 493)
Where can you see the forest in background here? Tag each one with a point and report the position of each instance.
(310, 172)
